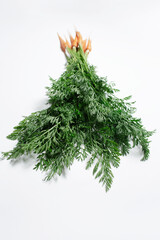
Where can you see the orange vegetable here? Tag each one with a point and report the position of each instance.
(68, 44)
(79, 37)
(72, 40)
(88, 46)
(75, 42)
(62, 44)
(84, 44)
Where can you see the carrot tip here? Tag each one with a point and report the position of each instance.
(75, 43)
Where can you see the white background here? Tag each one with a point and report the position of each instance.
(126, 48)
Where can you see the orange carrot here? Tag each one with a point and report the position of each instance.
(75, 42)
(84, 44)
(68, 44)
(79, 37)
(72, 40)
(88, 46)
(62, 44)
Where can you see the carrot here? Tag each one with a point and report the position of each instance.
(75, 42)
(72, 40)
(68, 44)
(62, 44)
(79, 37)
(88, 46)
(84, 44)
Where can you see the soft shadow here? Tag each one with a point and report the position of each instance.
(65, 172)
(28, 160)
(41, 105)
(136, 153)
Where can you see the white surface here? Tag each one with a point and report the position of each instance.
(125, 40)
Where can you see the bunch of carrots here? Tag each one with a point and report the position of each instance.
(75, 43)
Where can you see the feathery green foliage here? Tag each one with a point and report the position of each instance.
(84, 118)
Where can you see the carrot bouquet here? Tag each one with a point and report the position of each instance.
(84, 120)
